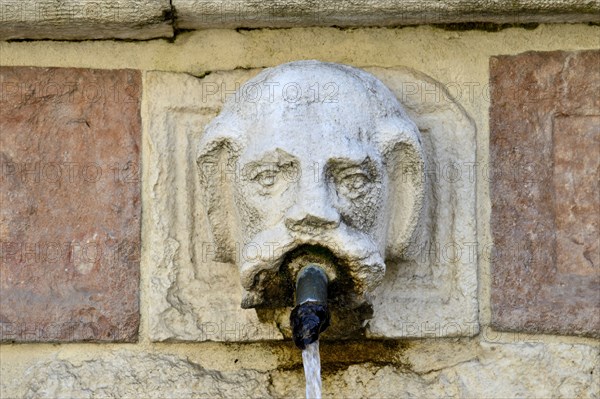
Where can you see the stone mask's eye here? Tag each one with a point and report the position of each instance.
(353, 182)
(267, 176)
(271, 177)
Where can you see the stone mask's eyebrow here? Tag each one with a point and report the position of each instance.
(270, 159)
(339, 165)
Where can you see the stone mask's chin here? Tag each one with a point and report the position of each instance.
(360, 255)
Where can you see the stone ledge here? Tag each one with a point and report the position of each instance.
(85, 19)
(445, 370)
(148, 19)
(202, 14)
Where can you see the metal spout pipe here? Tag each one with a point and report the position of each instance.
(311, 285)
(311, 316)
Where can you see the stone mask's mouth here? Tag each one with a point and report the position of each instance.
(353, 257)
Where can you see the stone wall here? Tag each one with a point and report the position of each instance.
(95, 232)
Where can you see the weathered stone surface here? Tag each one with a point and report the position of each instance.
(431, 293)
(85, 19)
(576, 151)
(140, 375)
(70, 195)
(191, 297)
(201, 14)
(494, 371)
(146, 19)
(457, 370)
(545, 152)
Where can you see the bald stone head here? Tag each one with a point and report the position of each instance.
(311, 154)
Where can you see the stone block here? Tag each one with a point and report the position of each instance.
(128, 374)
(461, 371)
(85, 19)
(545, 154)
(431, 293)
(70, 213)
(202, 14)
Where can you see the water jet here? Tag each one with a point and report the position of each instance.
(308, 320)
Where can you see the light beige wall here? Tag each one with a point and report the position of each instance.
(457, 58)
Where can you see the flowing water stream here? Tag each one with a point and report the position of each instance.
(312, 370)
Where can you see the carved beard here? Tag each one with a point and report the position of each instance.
(361, 256)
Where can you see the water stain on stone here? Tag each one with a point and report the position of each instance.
(339, 355)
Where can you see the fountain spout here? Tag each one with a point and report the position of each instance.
(311, 316)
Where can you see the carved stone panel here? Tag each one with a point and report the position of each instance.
(431, 290)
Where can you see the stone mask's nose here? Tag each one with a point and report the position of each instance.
(313, 210)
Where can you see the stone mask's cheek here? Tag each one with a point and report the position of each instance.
(249, 206)
(363, 211)
(261, 197)
(359, 192)
(248, 210)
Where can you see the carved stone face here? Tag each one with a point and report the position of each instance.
(324, 156)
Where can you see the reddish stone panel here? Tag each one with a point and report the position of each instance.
(545, 152)
(576, 166)
(69, 204)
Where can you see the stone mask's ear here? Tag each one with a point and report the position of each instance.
(217, 166)
(405, 164)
